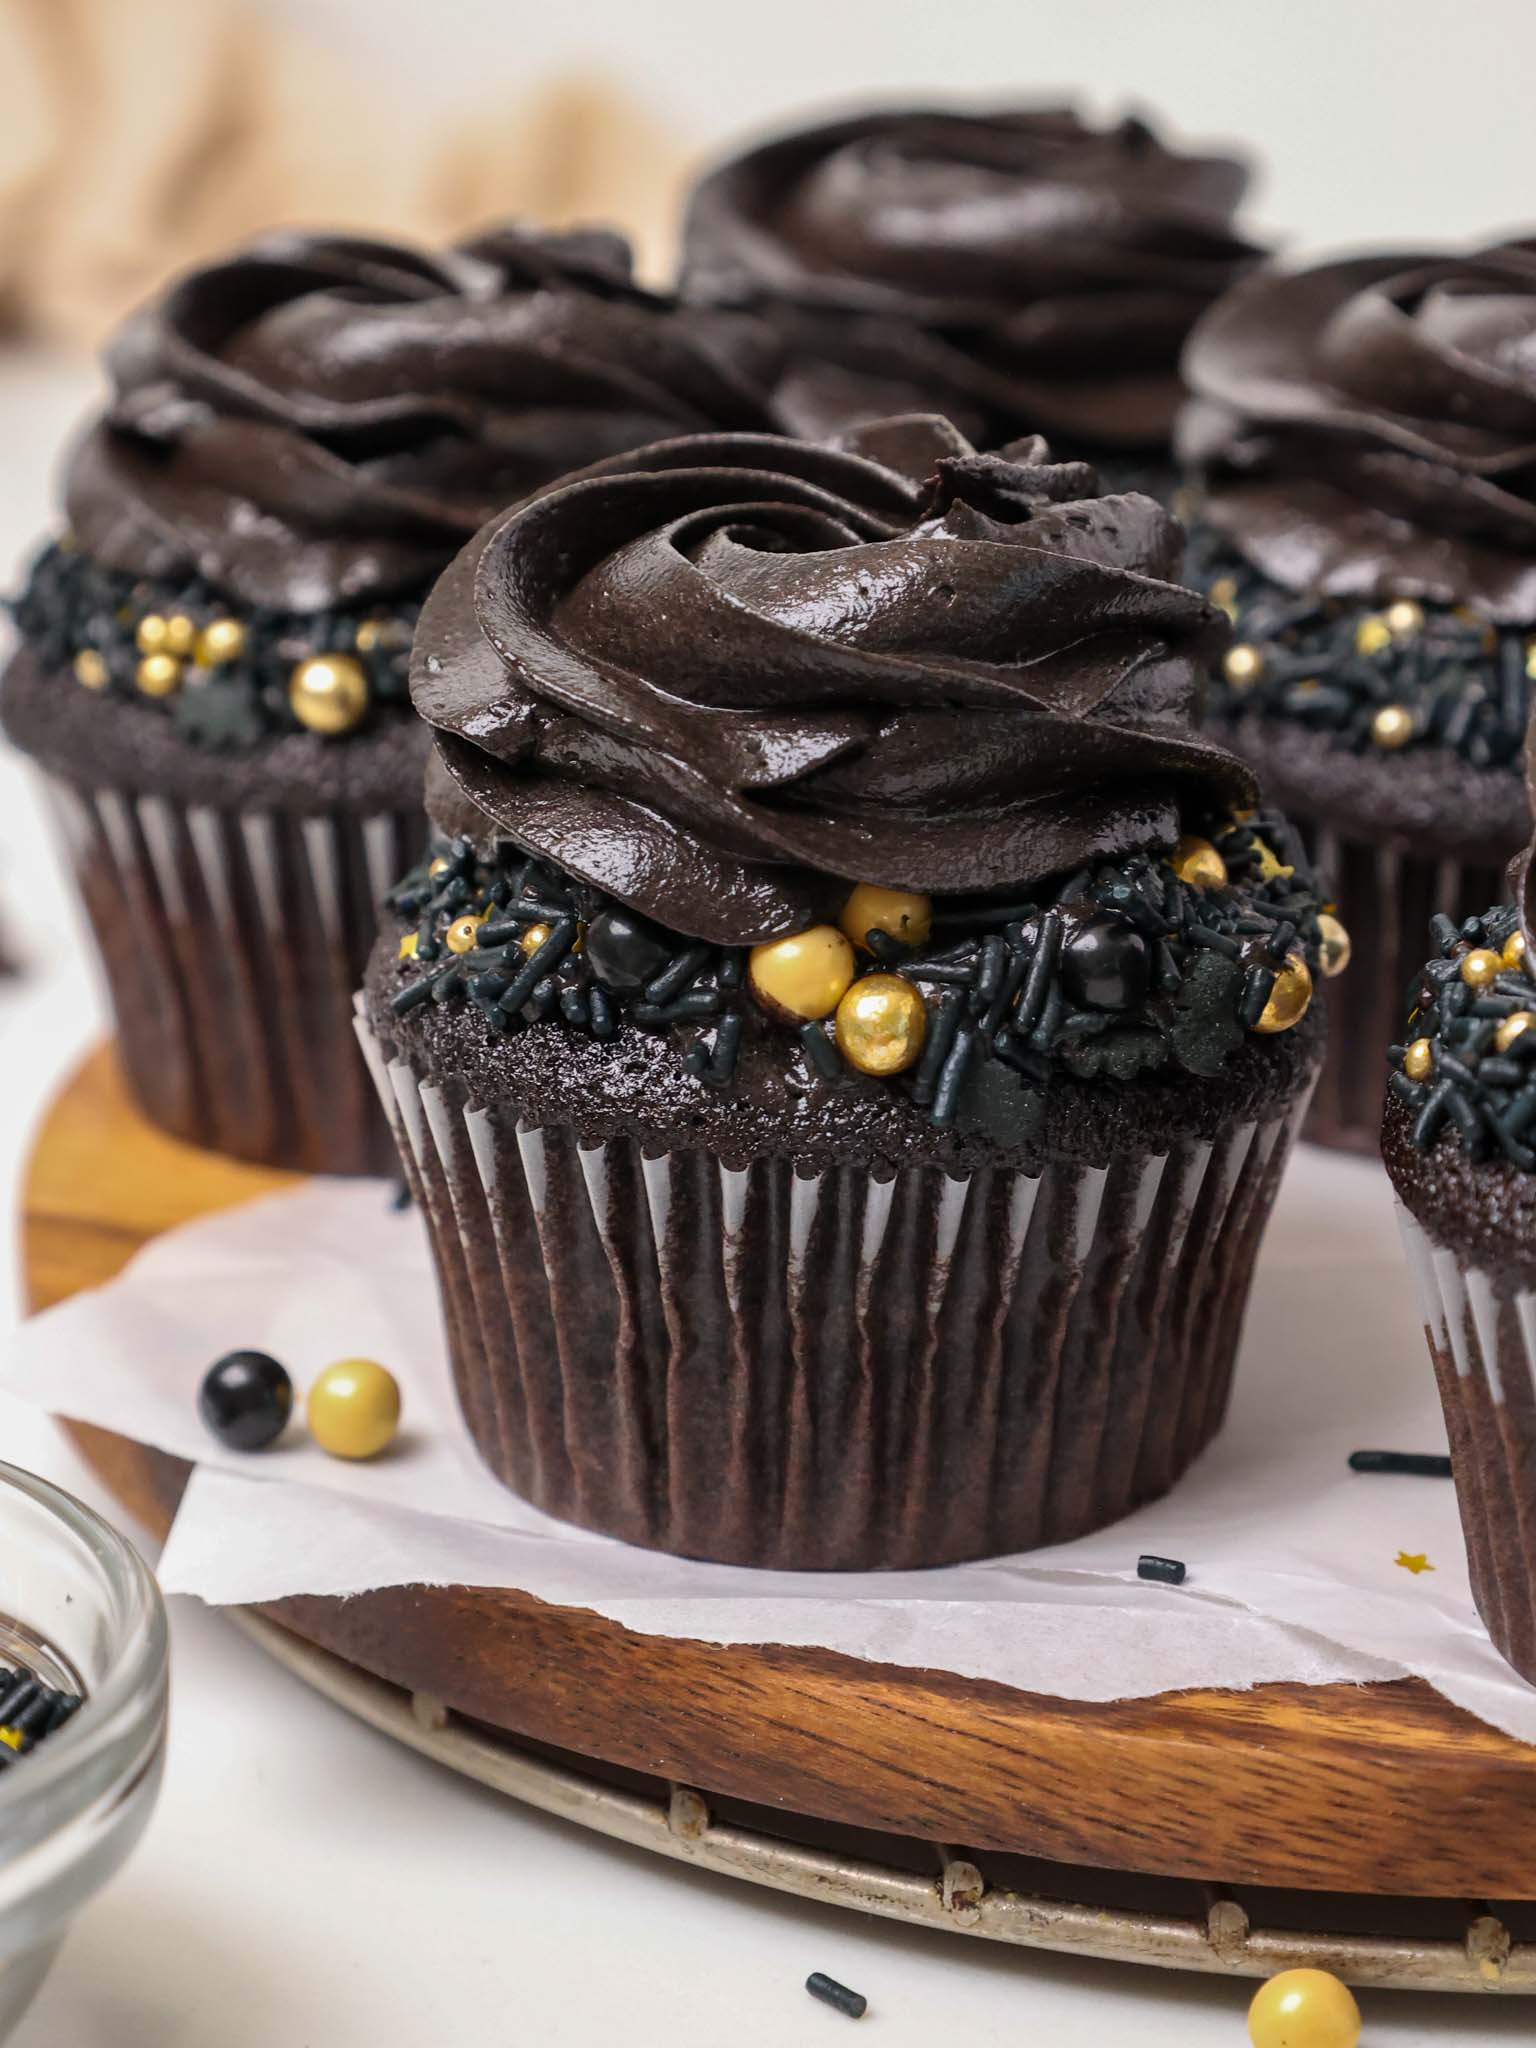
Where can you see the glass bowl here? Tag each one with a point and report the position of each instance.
(80, 1608)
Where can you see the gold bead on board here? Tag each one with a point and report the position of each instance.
(1514, 1026)
(1392, 726)
(1334, 947)
(1514, 949)
(220, 641)
(180, 635)
(90, 669)
(1289, 997)
(329, 693)
(1404, 618)
(901, 912)
(353, 1408)
(881, 1023)
(1243, 666)
(149, 634)
(1419, 1059)
(461, 935)
(1197, 862)
(1304, 2009)
(802, 976)
(1480, 967)
(158, 675)
(1372, 634)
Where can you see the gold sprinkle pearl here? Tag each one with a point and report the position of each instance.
(353, 1408)
(803, 976)
(1514, 1026)
(1243, 666)
(1480, 966)
(1392, 726)
(1530, 659)
(329, 693)
(1514, 950)
(158, 675)
(1372, 635)
(1197, 862)
(439, 866)
(221, 641)
(1289, 998)
(881, 1024)
(901, 912)
(1418, 1060)
(461, 935)
(1334, 946)
(90, 669)
(1404, 618)
(1304, 2009)
(533, 938)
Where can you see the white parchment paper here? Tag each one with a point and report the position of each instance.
(1292, 1558)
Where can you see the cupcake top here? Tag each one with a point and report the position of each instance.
(1018, 269)
(871, 760)
(728, 677)
(301, 436)
(1459, 1136)
(1365, 435)
(1367, 427)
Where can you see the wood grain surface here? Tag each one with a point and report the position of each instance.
(1382, 1788)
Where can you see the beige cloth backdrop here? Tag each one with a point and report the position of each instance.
(140, 135)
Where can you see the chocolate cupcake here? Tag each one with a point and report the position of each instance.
(1364, 434)
(1459, 1140)
(212, 674)
(1017, 270)
(847, 1038)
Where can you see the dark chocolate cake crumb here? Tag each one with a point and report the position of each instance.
(222, 674)
(1112, 971)
(1372, 679)
(1467, 1062)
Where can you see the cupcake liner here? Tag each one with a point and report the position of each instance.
(1482, 1338)
(834, 1371)
(232, 943)
(1386, 895)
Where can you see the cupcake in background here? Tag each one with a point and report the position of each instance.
(1364, 439)
(847, 1037)
(1459, 1140)
(1017, 270)
(212, 670)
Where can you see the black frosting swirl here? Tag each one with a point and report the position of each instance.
(1019, 270)
(723, 678)
(322, 420)
(1367, 427)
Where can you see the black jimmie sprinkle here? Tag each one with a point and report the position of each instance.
(830, 1992)
(1423, 1464)
(1163, 1571)
(29, 1712)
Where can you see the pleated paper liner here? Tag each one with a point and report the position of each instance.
(1386, 895)
(232, 942)
(836, 1371)
(1482, 1338)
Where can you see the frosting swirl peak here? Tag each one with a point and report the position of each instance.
(320, 420)
(725, 677)
(1019, 269)
(1367, 427)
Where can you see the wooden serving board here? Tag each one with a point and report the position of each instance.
(1384, 1789)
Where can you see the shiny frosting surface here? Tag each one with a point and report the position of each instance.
(322, 420)
(1367, 427)
(1019, 269)
(726, 677)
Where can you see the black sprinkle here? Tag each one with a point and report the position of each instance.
(830, 1992)
(1425, 1464)
(820, 1052)
(1166, 1571)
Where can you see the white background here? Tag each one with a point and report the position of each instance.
(305, 1884)
(1377, 118)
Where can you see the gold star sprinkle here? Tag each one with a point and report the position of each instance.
(1413, 1561)
(408, 945)
(11, 1737)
